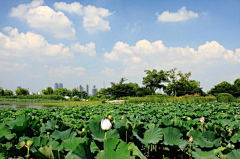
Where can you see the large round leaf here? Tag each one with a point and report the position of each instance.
(172, 136)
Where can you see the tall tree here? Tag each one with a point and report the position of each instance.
(47, 91)
(8, 92)
(21, 91)
(154, 80)
(180, 84)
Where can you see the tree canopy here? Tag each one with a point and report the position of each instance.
(154, 80)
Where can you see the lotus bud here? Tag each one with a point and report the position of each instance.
(123, 117)
(202, 119)
(109, 117)
(106, 124)
(22, 144)
(29, 143)
(191, 139)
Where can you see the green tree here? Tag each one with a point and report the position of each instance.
(47, 91)
(226, 87)
(62, 92)
(8, 92)
(223, 87)
(75, 92)
(21, 91)
(180, 84)
(2, 92)
(154, 80)
(236, 88)
(143, 91)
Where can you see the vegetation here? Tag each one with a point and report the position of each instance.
(225, 87)
(160, 130)
(173, 83)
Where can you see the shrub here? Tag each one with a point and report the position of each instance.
(225, 97)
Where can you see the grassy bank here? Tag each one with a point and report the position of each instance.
(162, 99)
(54, 103)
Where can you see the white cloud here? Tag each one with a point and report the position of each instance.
(181, 15)
(74, 7)
(66, 71)
(93, 17)
(31, 46)
(155, 53)
(45, 18)
(12, 66)
(88, 49)
(108, 72)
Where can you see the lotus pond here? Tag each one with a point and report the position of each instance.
(146, 130)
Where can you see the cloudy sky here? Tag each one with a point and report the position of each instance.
(91, 42)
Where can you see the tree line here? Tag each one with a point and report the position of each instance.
(173, 83)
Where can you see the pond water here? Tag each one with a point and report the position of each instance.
(17, 106)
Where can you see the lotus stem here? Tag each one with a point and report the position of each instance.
(105, 137)
(126, 136)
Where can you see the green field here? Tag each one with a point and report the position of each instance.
(148, 130)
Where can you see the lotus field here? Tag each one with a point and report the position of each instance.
(122, 131)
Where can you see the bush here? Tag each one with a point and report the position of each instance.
(225, 97)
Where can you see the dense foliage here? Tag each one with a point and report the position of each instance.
(225, 87)
(170, 130)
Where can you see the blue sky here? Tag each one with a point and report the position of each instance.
(91, 42)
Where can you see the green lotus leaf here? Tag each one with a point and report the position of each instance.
(135, 151)
(152, 135)
(120, 123)
(114, 149)
(55, 145)
(236, 137)
(50, 125)
(46, 151)
(5, 132)
(63, 135)
(199, 154)
(167, 121)
(234, 154)
(39, 141)
(20, 123)
(93, 147)
(98, 133)
(72, 143)
(172, 136)
(82, 151)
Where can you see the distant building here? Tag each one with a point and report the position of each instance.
(18, 87)
(80, 88)
(94, 90)
(60, 85)
(55, 86)
(87, 89)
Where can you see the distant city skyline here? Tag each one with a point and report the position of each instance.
(67, 41)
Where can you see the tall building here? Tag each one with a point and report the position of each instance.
(87, 89)
(80, 88)
(60, 85)
(55, 86)
(94, 90)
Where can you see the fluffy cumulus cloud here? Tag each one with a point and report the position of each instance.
(45, 18)
(108, 72)
(12, 66)
(181, 15)
(66, 71)
(31, 45)
(93, 17)
(145, 54)
(88, 49)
